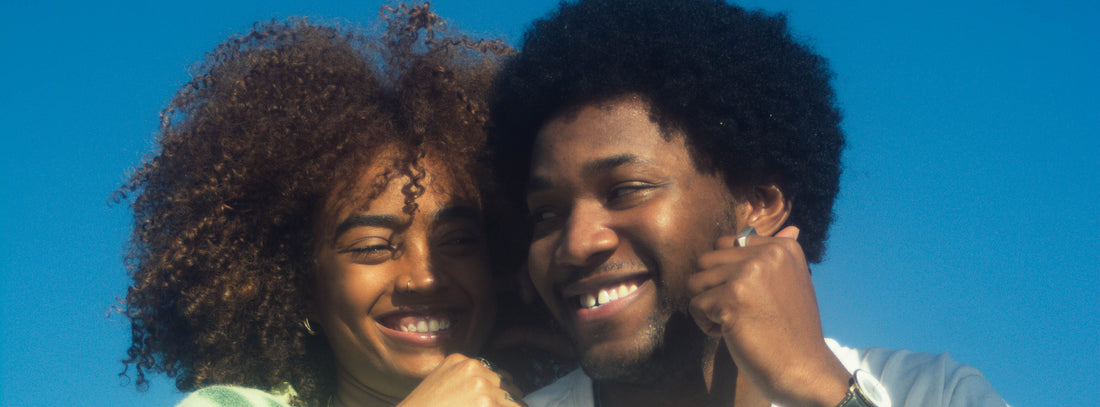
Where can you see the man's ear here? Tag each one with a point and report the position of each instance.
(768, 208)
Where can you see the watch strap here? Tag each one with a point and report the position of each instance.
(854, 398)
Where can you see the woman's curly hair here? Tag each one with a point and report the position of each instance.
(221, 253)
(753, 102)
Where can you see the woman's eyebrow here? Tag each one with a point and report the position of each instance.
(354, 221)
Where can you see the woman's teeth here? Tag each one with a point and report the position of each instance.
(607, 295)
(427, 325)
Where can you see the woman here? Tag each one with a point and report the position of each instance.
(311, 228)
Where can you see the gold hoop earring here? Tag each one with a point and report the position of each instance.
(308, 328)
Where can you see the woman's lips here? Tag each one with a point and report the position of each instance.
(419, 328)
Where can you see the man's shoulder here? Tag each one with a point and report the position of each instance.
(920, 379)
(571, 390)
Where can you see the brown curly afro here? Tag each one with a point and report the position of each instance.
(221, 250)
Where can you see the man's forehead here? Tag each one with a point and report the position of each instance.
(599, 138)
(622, 122)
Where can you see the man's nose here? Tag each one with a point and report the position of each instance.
(587, 237)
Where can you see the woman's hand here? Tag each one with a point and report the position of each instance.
(464, 381)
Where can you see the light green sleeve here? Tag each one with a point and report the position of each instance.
(233, 396)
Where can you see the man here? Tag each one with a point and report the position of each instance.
(649, 139)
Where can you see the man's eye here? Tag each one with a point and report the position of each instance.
(542, 215)
(461, 239)
(459, 243)
(543, 221)
(627, 189)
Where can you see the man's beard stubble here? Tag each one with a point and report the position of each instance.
(670, 349)
(674, 348)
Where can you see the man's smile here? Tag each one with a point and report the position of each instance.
(606, 295)
(602, 296)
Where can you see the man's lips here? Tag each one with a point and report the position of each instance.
(598, 292)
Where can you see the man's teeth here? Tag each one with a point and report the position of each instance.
(427, 325)
(607, 295)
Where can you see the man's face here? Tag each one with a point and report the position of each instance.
(620, 215)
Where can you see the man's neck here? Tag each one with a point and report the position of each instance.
(715, 384)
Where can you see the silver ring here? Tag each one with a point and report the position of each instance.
(487, 364)
(743, 235)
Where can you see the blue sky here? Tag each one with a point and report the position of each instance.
(966, 223)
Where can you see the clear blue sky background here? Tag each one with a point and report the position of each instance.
(966, 223)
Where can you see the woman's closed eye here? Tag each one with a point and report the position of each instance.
(371, 250)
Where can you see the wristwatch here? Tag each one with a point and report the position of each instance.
(865, 391)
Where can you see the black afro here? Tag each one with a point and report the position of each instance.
(754, 103)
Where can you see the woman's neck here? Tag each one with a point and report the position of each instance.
(354, 393)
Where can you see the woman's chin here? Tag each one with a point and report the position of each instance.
(418, 366)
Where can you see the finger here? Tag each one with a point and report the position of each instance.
(505, 377)
(488, 365)
(740, 240)
(718, 258)
(496, 378)
(451, 363)
(726, 242)
(511, 400)
(790, 232)
(699, 310)
(512, 393)
(709, 278)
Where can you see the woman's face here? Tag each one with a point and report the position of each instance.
(396, 292)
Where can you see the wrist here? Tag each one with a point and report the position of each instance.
(864, 390)
(835, 388)
(819, 389)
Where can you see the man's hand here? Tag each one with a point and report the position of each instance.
(760, 300)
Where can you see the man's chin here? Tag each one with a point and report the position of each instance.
(650, 358)
(620, 365)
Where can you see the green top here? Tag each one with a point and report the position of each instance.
(234, 396)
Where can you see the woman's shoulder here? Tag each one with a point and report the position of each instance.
(234, 396)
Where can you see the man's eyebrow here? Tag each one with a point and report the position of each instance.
(609, 163)
(590, 169)
(537, 183)
(354, 221)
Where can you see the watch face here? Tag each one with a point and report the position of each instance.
(871, 389)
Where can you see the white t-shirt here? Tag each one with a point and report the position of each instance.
(912, 380)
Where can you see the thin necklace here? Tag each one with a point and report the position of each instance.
(385, 398)
(597, 401)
